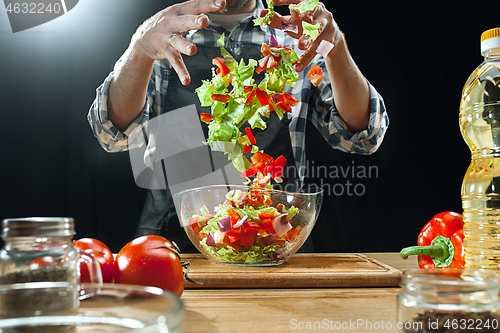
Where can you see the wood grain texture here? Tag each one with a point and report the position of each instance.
(315, 270)
(357, 309)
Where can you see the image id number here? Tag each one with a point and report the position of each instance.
(471, 324)
(33, 8)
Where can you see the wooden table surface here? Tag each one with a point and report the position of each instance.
(358, 309)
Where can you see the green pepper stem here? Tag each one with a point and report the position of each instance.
(441, 251)
(436, 251)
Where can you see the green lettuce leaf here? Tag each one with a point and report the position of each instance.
(266, 20)
(312, 30)
(249, 255)
(205, 92)
(305, 6)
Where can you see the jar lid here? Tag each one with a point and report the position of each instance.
(490, 39)
(38, 226)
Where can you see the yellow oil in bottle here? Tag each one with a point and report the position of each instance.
(480, 127)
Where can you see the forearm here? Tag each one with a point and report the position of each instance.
(128, 88)
(350, 89)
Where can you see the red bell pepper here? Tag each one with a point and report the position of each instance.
(250, 135)
(222, 69)
(262, 96)
(246, 148)
(233, 215)
(220, 98)
(205, 117)
(249, 97)
(440, 242)
(279, 167)
(249, 173)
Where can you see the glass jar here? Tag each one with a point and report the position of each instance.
(449, 300)
(40, 268)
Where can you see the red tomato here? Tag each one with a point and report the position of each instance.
(101, 253)
(42, 262)
(315, 74)
(148, 261)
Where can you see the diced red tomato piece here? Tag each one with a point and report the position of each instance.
(233, 215)
(236, 245)
(315, 74)
(246, 149)
(266, 215)
(267, 224)
(249, 173)
(265, 49)
(260, 157)
(284, 107)
(248, 238)
(233, 239)
(205, 117)
(291, 235)
(250, 135)
(250, 225)
(259, 69)
(220, 98)
(247, 89)
(195, 227)
(279, 166)
(235, 232)
(287, 99)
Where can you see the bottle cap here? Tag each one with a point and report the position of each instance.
(490, 39)
(38, 226)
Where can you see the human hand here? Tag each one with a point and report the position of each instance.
(328, 31)
(160, 37)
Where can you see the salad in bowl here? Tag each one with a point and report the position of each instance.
(247, 225)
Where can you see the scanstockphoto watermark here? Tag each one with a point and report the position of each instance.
(354, 324)
(25, 14)
(337, 180)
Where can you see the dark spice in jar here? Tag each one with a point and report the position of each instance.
(453, 321)
(58, 273)
(28, 302)
(39, 301)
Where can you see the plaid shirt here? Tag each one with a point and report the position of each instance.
(315, 103)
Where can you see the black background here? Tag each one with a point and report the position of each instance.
(418, 55)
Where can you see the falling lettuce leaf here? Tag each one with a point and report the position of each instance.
(305, 6)
(312, 30)
(266, 20)
(224, 129)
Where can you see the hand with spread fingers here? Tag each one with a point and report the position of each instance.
(328, 29)
(349, 87)
(158, 38)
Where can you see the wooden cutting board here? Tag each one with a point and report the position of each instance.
(302, 270)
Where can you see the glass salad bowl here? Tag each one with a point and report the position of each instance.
(247, 226)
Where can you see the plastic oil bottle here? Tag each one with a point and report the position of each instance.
(480, 127)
